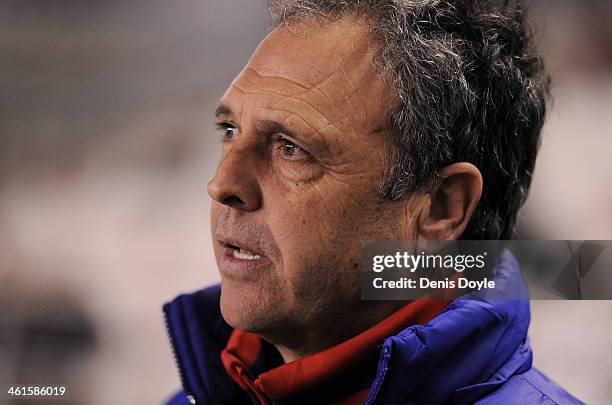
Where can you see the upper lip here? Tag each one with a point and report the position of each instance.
(227, 241)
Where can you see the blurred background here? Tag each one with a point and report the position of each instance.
(106, 147)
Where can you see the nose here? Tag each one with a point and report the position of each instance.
(235, 183)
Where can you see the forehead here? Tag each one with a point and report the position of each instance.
(329, 66)
(313, 50)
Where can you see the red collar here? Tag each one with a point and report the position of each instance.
(288, 379)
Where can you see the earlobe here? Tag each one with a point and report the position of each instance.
(451, 202)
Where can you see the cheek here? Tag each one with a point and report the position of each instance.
(317, 233)
(308, 215)
(214, 214)
(304, 229)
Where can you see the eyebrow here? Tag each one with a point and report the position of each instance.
(274, 127)
(270, 127)
(262, 124)
(223, 110)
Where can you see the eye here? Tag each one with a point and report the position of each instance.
(291, 151)
(229, 130)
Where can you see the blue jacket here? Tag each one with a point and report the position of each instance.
(475, 352)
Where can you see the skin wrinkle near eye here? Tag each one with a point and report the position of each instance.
(345, 203)
(315, 131)
(289, 183)
(338, 169)
(337, 153)
(304, 120)
(322, 196)
(303, 135)
(297, 115)
(333, 193)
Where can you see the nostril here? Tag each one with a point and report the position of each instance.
(233, 201)
(235, 192)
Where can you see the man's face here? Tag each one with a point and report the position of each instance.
(297, 187)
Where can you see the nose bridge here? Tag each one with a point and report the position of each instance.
(234, 162)
(243, 154)
(235, 182)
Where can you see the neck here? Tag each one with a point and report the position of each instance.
(330, 330)
(288, 354)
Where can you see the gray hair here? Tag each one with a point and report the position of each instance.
(470, 88)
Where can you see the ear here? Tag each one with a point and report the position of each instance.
(451, 202)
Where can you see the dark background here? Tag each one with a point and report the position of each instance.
(106, 146)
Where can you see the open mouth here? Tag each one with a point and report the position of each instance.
(240, 253)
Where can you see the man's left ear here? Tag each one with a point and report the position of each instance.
(452, 201)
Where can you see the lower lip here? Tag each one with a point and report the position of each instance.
(232, 267)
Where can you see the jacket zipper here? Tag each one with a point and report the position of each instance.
(179, 365)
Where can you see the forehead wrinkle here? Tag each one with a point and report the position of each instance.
(334, 102)
(364, 60)
(261, 90)
(337, 89)
(374, 87)
(341, 68)
(347, 49)
(332, 105)
(347, 36)
(285, 95)
(347, 84)
(305, 78)
(307, 107)
(235, 108)
(296, 96)
(349, 68)
(314, 110)
(273, 79)
(242, 112)
(283, 98)
(353, 91)
(269, 77)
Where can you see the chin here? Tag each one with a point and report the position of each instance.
(247, 310)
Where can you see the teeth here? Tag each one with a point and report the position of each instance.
(245, 255)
